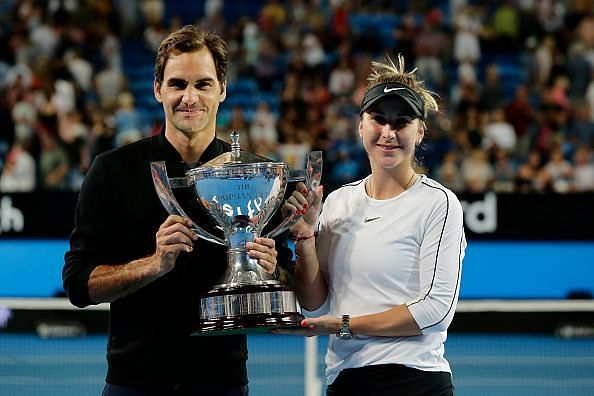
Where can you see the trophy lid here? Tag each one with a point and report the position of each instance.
(235, 156)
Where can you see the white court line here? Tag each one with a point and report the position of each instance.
(59, 303)
(525, 306)
(524, 382)
(56, 303)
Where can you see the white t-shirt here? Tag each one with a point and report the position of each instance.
(377, 254)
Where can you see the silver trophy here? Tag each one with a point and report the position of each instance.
(241, 192)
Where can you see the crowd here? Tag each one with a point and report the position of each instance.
(515, 81)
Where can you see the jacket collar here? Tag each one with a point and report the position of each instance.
(167, 152)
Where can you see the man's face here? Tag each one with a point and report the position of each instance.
(190, 93)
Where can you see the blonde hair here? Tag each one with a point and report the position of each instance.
(388, 71)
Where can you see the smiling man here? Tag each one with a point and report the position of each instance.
(152, 267)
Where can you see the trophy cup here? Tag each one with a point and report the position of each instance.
(241, 192)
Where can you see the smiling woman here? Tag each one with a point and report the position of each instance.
(387, 256)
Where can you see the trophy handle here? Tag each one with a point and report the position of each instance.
(165, 193)
(313, 177)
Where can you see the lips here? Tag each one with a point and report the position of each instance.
(388, 147)
(189, 110)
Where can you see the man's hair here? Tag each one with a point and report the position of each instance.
(191, 38)
(390, 72)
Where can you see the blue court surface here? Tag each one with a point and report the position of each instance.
(483, 365)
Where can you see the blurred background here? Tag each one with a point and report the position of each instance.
(514, 139)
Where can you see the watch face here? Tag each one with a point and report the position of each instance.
(345, 331)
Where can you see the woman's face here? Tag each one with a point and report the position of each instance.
(390, 136)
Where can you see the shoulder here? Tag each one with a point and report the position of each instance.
(438, 195)
(346, 191)
(122, 161)
(128, 150)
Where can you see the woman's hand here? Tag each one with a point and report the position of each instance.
(310, 327)
(306, 204)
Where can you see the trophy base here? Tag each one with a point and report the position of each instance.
(249, 324)
(248, 309)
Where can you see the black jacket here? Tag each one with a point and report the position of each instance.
(116, 219)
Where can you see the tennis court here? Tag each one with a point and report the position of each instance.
(483, 364)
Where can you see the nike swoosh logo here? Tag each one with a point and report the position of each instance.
(368, 219)
(386, 89)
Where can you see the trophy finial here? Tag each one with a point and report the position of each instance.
(235, 148)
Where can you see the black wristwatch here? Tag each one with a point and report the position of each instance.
(344, 333)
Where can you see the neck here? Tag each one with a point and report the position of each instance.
(189, 146)
(384, 186)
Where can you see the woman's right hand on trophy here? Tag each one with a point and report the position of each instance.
(303, 203)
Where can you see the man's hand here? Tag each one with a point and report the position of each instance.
(174, 236)
(263, 250)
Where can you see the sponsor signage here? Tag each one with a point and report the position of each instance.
(43, 214)
(486, 216)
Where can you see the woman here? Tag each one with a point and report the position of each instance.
(387, 256)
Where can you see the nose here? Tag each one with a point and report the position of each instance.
(388, 133)
(190, 96)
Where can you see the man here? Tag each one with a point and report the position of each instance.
(151, 267)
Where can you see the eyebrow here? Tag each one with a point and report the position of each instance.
(174, 80)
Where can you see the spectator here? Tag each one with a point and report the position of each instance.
(477, 172)
(520, 113)
(53, 164)
(18, 174)
(491, 92)
(530, 176)
(580, 130)
(263, 127)
(503, 173)
(129, 126)
(468, 27)
(341, 82)
(559, 171)
(583, 172)
(499, 134)
(109, 83)
(448, 173)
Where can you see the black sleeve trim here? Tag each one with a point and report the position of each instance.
(437, 258)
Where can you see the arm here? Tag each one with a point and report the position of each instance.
(441, 254)
(310, 285)
(395, 322)
(101, 264)
(108, 259)
(108, 283)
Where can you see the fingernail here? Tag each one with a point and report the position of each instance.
(304, 324)
(304, 191)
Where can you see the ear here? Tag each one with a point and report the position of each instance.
(157, 91)
(223, 91)
(361, 127)
(420, 134)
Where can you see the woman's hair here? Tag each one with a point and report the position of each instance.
(191, 38)
(390, 72)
